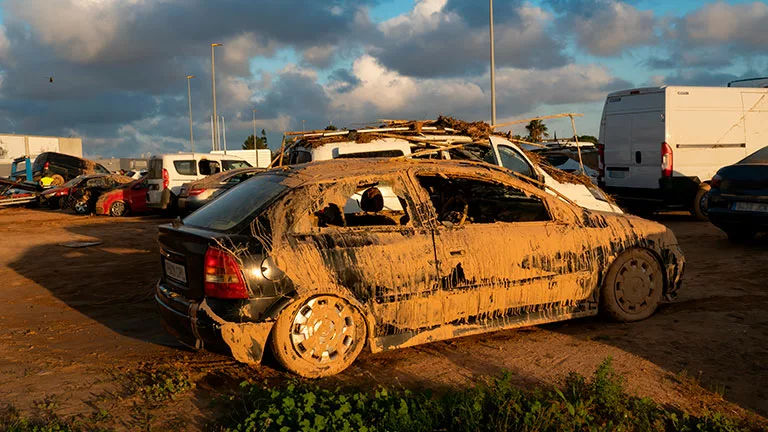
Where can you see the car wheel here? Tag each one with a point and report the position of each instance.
(81, 206)
(54, 203)
(118, 209)
(63, 201)
(700, 202)
(319, 336)
(740, 235)
(632, 287)
(58, 180)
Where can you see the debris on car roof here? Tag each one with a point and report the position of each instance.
(443, 133)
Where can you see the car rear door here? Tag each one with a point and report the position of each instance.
(385, 257)
(509, 256)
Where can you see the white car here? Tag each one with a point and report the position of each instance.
(167, 173)
(137, 174)
(503, 153)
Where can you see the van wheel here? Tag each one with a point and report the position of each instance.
(632, 287)
(318, 336)
(58, 180)
(700, 202)
(118, 209)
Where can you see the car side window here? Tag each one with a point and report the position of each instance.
(185, 167)
(513, 161)
(299, 157)
(234, 164)
(458, 200)
(371, 205)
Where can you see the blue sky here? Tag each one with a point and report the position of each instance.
(119, 82)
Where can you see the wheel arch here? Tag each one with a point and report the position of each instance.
(278, 307)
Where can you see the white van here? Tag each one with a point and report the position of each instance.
(660, 146)
(168, 172)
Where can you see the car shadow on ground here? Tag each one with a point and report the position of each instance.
(111, 282)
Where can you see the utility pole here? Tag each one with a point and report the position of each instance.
(493, 69)
(213, 87)
(189, 98)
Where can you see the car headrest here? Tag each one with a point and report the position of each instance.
(372, 201)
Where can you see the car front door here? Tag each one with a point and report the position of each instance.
(373, 244)
(500, 252)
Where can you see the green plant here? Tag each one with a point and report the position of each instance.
(597, 403)
(157, 385)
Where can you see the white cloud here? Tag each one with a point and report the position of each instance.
(613, 27)
(722, 23)
(425, 16)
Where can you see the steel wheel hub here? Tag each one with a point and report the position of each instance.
(81, 207)
(323, 329)
(635, 285)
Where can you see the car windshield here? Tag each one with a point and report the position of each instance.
(760, 156)
(233, 207)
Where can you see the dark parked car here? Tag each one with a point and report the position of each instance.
(310, 262)
(83, 197)
(63, 167)
(58, 196)
(194, 195)
(738, 200)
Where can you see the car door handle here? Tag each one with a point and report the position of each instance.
(457, 252)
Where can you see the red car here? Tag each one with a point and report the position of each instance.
(128, 198)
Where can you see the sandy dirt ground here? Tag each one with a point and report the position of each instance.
(73, 322)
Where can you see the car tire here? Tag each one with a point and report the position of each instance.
(81, 205)
(63, 201)
(699, 208)
(318, 336)
(119, 209)
(58, 180)
(740, 235)
(633, 286)
(54, 203)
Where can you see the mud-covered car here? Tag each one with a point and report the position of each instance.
(83, 197)
(58, 196)
(307, 262)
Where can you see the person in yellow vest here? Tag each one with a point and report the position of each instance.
(46, 182)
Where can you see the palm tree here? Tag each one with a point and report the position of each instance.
(537, 130)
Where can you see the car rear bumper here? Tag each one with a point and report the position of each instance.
(721, 213)
(194, 324)
(190, 204)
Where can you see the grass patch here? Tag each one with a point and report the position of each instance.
(597, 403)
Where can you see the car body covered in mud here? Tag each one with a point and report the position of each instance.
(306, 259)
(84, 195)
(196, 194)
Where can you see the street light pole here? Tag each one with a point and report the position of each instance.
(493, 69)
(213, 87)
(189, 99)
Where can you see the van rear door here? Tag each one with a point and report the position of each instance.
(632, 131)
(155, 181)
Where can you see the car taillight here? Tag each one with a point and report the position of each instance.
(601, 160)
(223, 278)
(666, 160)
(165, 178)
(47, 164)
(716, 181)
(194, 192)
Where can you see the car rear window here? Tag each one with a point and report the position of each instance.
(185, 167)
(760, 156)
(234, 164)
(235, 206)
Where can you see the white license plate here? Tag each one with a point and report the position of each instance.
(752, 207)
(176, 271)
